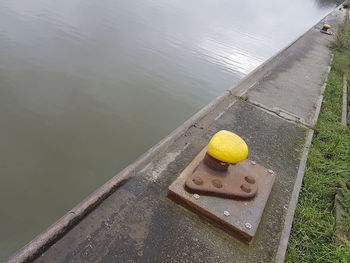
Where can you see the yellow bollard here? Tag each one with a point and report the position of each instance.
(326, 27)
(227, 147)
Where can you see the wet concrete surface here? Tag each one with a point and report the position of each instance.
(138, 223)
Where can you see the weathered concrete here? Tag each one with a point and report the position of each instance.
(138, 223)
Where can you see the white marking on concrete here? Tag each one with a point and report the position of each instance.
(162, 165)
(219, 115)
(240, 94)
(329, 67)
(230, 105)
(147, 166)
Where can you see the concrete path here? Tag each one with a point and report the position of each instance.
(138, 223)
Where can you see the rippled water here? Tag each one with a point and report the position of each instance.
(87, 86)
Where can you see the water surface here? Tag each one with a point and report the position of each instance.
(87, 86)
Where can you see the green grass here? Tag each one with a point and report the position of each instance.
(313, 237)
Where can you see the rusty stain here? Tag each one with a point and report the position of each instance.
(197, 180)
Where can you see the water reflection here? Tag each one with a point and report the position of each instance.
(87, 86)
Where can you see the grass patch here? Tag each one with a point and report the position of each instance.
(313, 237)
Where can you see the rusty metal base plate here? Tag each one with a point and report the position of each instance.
(240, 217)
(236, 182)
(325, 32)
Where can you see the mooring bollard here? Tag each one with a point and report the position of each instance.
(213, 176)
(222, 184)
(325, 29)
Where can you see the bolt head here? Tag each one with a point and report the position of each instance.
(196, 196)
(226, 213)
(248, 225)
(246, 188)
(197, 180)
(217, 183)
(249, 179)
